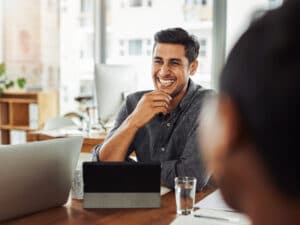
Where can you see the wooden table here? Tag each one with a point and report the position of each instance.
(87, 146)
(73, 213)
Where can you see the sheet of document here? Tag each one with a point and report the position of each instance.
(83, 157)
(164, 190)
(213, 211)
(213, 201)
(212, 217)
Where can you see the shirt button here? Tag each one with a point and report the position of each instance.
(168, 124)
(162, 149)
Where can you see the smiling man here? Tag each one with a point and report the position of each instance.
(160, 125)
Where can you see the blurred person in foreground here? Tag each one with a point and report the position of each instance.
(250, 133)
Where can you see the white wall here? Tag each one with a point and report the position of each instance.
(239, 14)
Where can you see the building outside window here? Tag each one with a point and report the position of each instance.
(275, 3)
(203, 50)
(137, 26)
(135, 47)
(135, 3)
(76, 51)
(86, 6)
(129, 29)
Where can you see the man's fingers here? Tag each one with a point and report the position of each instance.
(157, 95)
(161, 110)
(159, 98)
(160, 104)
(156, 101)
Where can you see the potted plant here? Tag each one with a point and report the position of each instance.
(5, 83)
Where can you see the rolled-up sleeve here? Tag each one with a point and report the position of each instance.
(95, 152)
(122, 115)
(189, 164)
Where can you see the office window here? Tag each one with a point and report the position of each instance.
(136, 28)
(275, 3)
(86, 6)
(196, 2)
(135, 3)
(203, 46)
(124, 23)
(76, 51)
(86, 45)
(134, 47)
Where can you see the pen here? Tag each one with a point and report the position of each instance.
(215, 218)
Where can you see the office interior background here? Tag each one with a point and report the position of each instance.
(55, 44)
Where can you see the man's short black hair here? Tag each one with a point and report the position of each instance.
(262, 76)
(179, 36)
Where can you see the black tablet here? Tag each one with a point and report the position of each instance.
(121, 185)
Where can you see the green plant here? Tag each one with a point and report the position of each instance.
(5, 83)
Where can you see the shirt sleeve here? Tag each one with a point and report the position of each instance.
(189, 164)
(122, 115)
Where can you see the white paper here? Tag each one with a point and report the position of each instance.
(212, 217)
(33, 116)
(213, 211)
(213, 201)
(164, 190)
(83, 157)
(17, 137)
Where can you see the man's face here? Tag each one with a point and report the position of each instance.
(170, 69)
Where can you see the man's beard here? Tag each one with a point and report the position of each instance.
(177, 91)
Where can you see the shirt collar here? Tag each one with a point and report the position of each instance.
(192, 87)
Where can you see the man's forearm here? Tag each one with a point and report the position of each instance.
(152, 103)
(116, 147)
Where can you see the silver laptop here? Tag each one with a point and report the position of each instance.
(37, 175)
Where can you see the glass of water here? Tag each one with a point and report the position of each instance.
(185, 189)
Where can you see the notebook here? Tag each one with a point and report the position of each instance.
(121, 185)
(36, 175)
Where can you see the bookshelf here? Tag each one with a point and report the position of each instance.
(21, 112)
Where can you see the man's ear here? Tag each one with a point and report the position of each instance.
(193, 67)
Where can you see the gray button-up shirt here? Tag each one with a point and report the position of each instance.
(171, 139)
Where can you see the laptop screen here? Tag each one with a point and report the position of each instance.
(121, 177)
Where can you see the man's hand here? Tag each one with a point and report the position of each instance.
(150, 104)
